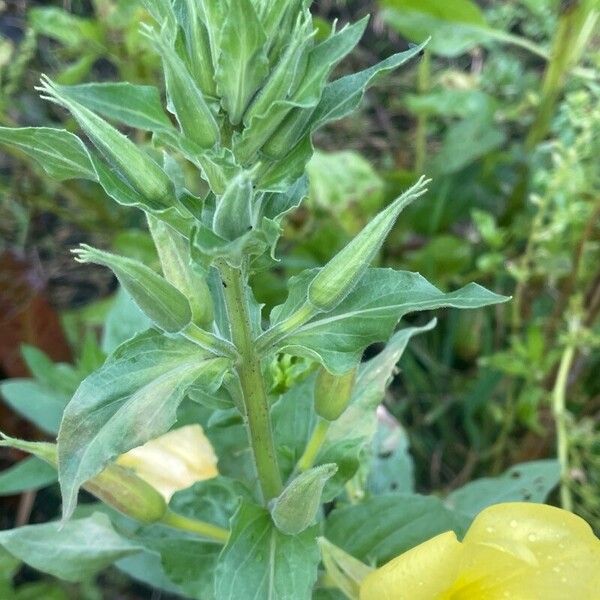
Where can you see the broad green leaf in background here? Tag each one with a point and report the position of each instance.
(74, 551)
(214, 500)
(526, 482)
(132, 399)
(382, 527)
(72, 31)
(146, 567)
(36, 402)
(368, 314)
(261, 562)
(137, 106)
(60, 153)
(28, 474)
(455, 27)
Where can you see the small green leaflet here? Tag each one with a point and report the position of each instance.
(137, 106)
(60, 153)
(74, 551)
(132, 399)
(527, 482)
(261, 562)
(368, 314)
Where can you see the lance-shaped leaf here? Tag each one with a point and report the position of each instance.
(243, 63)
(175, 260)
(132, 399)
(137, 106)
(212, 13)
(186, 100)
(142, 173)
(29, 474)
(369, 314)
(297, 507)
(233, 215)
(60, 153)
(259, 561)
(156, 297)
(162, 12)
(74, 551)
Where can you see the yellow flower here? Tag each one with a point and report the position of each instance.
(174, 461)
(511, 552)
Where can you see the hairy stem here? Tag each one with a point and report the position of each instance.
(207, 530)
(248, 368)
(314, 446)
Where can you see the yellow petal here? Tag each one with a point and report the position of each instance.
(525, 551)
(174, 461)
(423, 573)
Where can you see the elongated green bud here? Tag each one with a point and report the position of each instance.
(186, 101)
(156, 297)
(296, 508)
(333, 393)
(177, 268)
(118, 487)
(341, 274)
(136, 167)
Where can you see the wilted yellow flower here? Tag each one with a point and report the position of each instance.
(512, 551)
(174, 461)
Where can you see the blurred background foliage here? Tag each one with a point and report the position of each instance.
(502, 110)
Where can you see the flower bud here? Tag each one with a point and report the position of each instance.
(186, 100)
(297, 506)
(116, 486)
(333, 393)
(340, 275)
(135, 166)
(164, 304)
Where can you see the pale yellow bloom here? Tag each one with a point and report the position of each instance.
(511, 552)
(174, 461)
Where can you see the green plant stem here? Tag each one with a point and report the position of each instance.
(207, 530)
(307, 460)
(560, 416)
(423, 86)
(274, 335)
(575, 27)
(210, 342)
(249, 370)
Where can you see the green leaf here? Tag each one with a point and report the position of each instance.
(132, 399)
(380, 528)
(297, 507)
(214, 500)
(60, 153)
(454, 27)
(233, 215)
(28, 474)
(60, 377)
(137, 106)
(39, 404)
(74, 551)
(261, 562)
(526, 482)
(72, 31)
(243, 64)
(368, 314)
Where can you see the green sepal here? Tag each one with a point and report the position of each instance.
(297, 507)
(160, 301)
(234, 211)
(333, 393)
